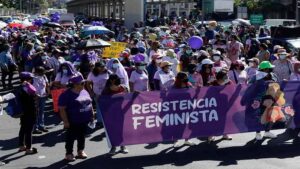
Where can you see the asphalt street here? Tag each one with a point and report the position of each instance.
(243, 152)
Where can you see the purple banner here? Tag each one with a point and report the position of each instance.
(149, 117)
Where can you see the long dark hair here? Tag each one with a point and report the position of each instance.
(180, 76)
(112, 77)
(95, 72)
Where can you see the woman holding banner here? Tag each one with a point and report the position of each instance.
(221, 80)
(182, 82)
(113, 86)
(265, 74)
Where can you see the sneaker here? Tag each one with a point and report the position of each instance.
(211, 139)
(258, 136)
(270, 135)
(70, 158)
(81, 155)
(177, 144)
(124, 150)
(22, 148)
(189, 143)
(44, 130)
(227, 137)
(112, 151)
(31, 151)
(99, 125)
(37, 132)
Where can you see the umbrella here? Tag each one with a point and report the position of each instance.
(16, 25)
(67, 23)
(52, 25)
(241, 22)
(2, 24)
(95, 43)
(45, 20)
(96, 30)
(27, 23)
(33, 28)
(16, 21)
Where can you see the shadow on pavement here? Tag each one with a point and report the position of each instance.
(204, 151)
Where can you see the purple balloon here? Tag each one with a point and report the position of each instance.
(195, 42)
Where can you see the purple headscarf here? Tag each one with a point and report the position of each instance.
(121, 72)
(71, 70)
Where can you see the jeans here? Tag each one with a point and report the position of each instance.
(25, 133)
(98, 111)
(75, 132)
(40, 117)
(268, 127)
(6, 73)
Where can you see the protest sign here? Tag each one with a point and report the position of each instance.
(114, 50)
(55, 96)
(149, 117)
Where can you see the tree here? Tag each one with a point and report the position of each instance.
(43, 4)
(8, 3)
(260, 6)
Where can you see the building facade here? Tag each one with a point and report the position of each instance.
(161, 8)
(115, 8)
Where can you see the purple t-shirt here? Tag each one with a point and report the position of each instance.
(78, 106)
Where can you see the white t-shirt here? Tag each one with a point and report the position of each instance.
(166, 79)
(159, 52)
(40, 83)
(175, 62)
(140, 81)
(99, 82)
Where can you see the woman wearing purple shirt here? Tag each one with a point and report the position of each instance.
(76, 111)
(27, 57)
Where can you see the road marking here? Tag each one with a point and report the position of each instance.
(42, 157)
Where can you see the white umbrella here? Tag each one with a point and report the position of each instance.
(16, 21)
(2, 24)
(27, 23)
(241, 22)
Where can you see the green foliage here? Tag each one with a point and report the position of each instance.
(258, 5)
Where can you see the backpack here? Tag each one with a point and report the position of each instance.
(254, 48)
(14, 107)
